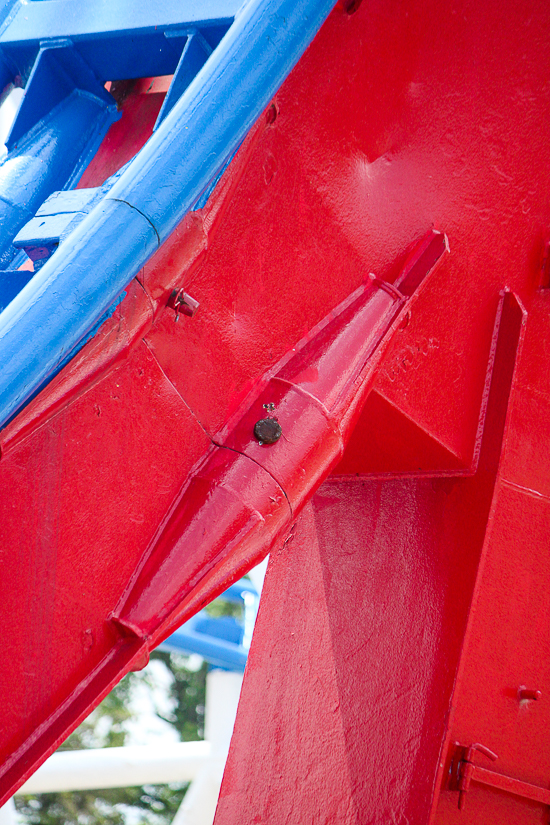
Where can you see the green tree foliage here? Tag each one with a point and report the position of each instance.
(151, 804)
(223, 607)
(106, 727)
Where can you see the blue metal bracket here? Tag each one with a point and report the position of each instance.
(193, 57)
(116, 41)
(54, 221)
(57, 71)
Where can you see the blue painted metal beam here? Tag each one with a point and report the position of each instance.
(153, 194)
(115, 45)
(62, 119)
(66, 110)
(47, 157)
(222, 642)
(46, 19)
(193, 57)
(217, 652)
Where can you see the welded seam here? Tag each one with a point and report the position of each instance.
(212, 440)
(261, 466)
(149, 299)
(157, 362)
(143, 215)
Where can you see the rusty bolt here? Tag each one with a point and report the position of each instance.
(350, 6)
(267, 430)
(181, 302)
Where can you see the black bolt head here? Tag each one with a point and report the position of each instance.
(267, 430)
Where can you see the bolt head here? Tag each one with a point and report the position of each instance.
(267, 430)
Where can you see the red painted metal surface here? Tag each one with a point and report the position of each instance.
(422, 611)
(246, 493)
(359, 658)
(407, 607)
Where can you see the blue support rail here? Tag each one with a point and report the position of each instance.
(224, 641)
(163, 182)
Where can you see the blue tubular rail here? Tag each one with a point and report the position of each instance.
(63, 301)
(224, 641)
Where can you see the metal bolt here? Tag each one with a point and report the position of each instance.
(180, 301)
(350, 6)
(528, 695)
(267, 430)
